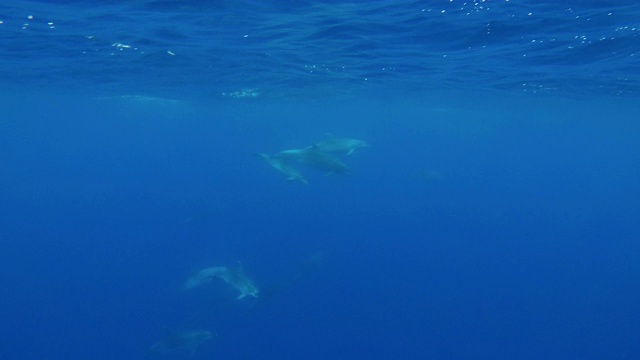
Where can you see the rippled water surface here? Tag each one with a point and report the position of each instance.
(210, 47)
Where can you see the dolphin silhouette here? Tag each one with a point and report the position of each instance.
(204, 276)
(179, 341)
(237, 278)
(313, 157)
(340, 146)
(283, 167)
(234, 277)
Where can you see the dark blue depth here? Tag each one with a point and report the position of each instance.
(494, 215)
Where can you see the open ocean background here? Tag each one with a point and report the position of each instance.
(496, 214)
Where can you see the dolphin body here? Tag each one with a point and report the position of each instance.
(316, 158)
(340, 146)
(179, 341)
(283, 167)
(234, 277)
(204, 276)
(240, 281)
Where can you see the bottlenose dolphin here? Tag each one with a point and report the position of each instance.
(340, 145)
(204, 276)
(234, 277)
(283, 167)
(179, 341)
(316, 158)
(240, 281)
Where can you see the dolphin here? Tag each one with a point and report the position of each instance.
(179, 341)
(240, 281)
(340, 146)
(283, 167)
(234, 277)
(314, 157)
(204, 276)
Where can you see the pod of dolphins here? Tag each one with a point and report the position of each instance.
(187, 341)
(234, 277)
(322, 156)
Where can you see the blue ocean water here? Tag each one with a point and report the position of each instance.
(495, 213)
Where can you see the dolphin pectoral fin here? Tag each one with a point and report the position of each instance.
(241, 296)
(350, 152)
